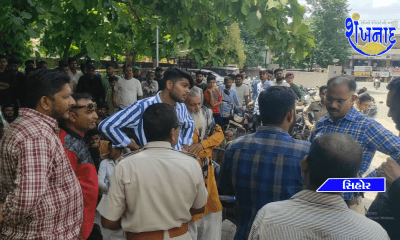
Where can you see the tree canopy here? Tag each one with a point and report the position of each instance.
(100, 28)
(327, 26)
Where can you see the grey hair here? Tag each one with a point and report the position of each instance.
(229, 131)
(195, 92)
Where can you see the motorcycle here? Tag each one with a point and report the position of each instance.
(300, 130)
(238, 119)
(309, 94)
(377, 83)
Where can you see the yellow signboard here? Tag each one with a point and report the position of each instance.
(362, 74)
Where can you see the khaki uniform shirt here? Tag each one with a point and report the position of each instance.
(318, 110)
(153, 189)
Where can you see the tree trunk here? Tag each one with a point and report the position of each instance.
(134, 57)
(128, 59)
(154, 62)
(67, 47)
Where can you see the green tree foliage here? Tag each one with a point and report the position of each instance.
(231, 48)
(253, 47)
(286, 59)
(102, 28)
(18, 23)
(327, 25)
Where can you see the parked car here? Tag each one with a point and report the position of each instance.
(224, 71)
(219, 79)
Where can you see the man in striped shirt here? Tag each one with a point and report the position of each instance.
(314, 215)
(177, 87)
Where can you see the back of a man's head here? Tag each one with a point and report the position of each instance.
(275, 103)
(333, 155)
(158, 121)
(44, 82)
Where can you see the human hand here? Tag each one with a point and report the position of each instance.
(195, 148)
(115, 103)
(250, 104)
(185, 148)
(390, 170)
(311, 127)
(133, 146)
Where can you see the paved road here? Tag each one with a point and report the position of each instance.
(229, 229)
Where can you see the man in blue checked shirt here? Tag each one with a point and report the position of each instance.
(177, 88)
(230, 97)
(265, 166)
(344, 118)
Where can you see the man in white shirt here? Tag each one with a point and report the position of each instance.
(242, 90)
(107, 167)
(73, 73)
(280, 82)
(128, 90)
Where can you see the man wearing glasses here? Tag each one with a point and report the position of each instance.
(82, 117)
(344, 118)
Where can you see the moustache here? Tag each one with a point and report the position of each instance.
(333, 110)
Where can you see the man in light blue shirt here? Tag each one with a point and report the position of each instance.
(177, 88)
(231, 97)
(258, 87)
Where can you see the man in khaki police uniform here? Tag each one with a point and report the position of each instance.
(317, 107)
(155, 191)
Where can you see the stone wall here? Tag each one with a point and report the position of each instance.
(310, 79)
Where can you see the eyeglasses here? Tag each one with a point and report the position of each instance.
(338, 101)
(90, 106)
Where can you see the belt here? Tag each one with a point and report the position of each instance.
(158, 235)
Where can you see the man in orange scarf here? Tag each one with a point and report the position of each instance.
(207, 135)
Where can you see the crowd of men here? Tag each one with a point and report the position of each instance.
(139, 151)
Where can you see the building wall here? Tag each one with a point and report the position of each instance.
(334, 71)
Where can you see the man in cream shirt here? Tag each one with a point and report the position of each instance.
(155, 191)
